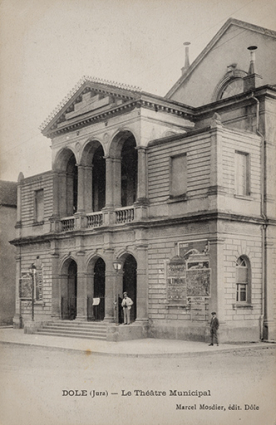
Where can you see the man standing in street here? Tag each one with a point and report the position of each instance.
(214, 325)
(126, 304)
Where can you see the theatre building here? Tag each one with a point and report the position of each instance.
(171, 199)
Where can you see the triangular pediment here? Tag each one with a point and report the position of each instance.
(89, 98)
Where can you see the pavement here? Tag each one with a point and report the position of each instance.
(149, 347)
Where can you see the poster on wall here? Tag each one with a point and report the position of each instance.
(25, 286)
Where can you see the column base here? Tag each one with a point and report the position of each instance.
(81, 318)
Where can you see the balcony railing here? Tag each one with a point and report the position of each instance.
(94, 220)
(67, 224)
(124, 215)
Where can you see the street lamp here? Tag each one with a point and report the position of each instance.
(117, 266)
(32, 271)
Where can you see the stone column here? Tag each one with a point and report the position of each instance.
(56, 290)
(142, 187)
(117, 182)
(17, 320)
(110, 282)
(88, 188)
(142, 284)
(81, 188)
(81, 289)
(109, 182)
(217, 300)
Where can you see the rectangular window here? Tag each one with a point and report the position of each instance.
(178, 175)
(242, 283)
(241, 292)
(39, 205)
(242, 173)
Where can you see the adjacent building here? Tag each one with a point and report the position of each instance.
(171, 199)
(8, 199)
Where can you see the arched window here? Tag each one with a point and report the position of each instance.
(98, 191)
(243, 289)
(129, 166)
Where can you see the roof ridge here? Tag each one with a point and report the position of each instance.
(212, 42)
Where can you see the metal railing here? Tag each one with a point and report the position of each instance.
(124, 215)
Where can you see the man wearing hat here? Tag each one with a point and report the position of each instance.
(126, 304)
(214, 325)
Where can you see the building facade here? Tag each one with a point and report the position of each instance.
(174, 204)
(8, 199)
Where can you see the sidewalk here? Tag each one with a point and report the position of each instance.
(135, 348)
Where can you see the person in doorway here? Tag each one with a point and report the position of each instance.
(214, 325)
(126, 304)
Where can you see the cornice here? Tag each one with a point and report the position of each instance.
(144, 100)
(146, 224)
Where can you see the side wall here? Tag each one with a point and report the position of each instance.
(7, 265)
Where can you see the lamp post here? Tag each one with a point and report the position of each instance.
(117, 266)
(32, 271)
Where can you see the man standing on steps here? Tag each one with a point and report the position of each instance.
(126, 304)
(214, 325)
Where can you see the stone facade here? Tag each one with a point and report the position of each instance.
(173, 204)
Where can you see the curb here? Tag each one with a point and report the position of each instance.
(145, 355)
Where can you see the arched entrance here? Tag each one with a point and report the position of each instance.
(69, 292)
(99, 289)
(130, 285)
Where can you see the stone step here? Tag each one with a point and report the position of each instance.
(61, 334)
(74, 331)
(76, 327)
(87, 330)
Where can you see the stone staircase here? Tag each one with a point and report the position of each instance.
(74, 329)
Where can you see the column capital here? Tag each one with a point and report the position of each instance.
(141, 148)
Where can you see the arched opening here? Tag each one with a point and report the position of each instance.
(130, 285)
(98, 179)
(72, 186)
(69, 291)
(93, 162)
(66, 183)
(129, 168)
(99, 290)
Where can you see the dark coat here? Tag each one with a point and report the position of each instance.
(214, 324)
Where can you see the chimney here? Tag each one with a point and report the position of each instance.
(252, 79)
(187, 59)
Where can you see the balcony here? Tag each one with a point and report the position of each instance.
(94, 220)
(67, 224)
(124, 215)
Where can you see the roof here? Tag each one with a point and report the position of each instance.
(8, 193)
(114, 98)
(241, 24)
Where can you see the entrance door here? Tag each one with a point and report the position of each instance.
(99, 289)
(130, 284)
(69, 302)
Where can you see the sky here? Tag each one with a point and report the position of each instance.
(47, 46)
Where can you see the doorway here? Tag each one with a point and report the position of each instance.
(99, 290)
(130, 286)
(69, 299)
